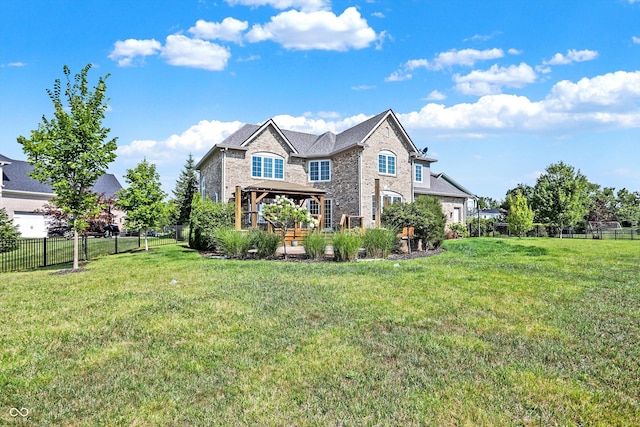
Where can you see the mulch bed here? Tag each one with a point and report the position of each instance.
(303, 258)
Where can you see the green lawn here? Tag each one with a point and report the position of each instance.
(492, 332)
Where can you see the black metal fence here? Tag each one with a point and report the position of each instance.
(501, 229)
(25, 254)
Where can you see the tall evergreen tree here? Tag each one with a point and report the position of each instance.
(71, 151)
(186, 187)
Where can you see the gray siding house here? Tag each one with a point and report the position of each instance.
(24, 197)
(343, 168)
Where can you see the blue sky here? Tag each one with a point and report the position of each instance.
(497, 90)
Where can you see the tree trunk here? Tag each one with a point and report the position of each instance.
(76, 255)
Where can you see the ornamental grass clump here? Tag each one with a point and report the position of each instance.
(379, 242)
(266, 244)
(315, 245)
(346, 246)
(233, 243)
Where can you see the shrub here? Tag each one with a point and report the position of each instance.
(315, 245)
(266, 243)
(425, 215)
(233, 243)
(345, 246)
(8, 233)
(379, 242)
(459, 229)
(206, 217)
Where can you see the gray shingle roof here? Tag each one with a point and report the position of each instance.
(312, 145)
(15, 177)
(442, 185)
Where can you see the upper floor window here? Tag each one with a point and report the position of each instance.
(320, 170)
(266, 165)
(386, 163)
(418, 173)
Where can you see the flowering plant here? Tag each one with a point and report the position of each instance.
(284, 214)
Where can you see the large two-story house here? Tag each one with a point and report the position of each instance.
(24, 198)
(338, 175)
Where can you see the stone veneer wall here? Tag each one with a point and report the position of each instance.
(401, 183)
(343, 187)
(211, 173)
(449, 203)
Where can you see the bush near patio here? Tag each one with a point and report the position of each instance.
(206, 217)
(315, 245)
(346, 245)
(380, 242)
(424, 214)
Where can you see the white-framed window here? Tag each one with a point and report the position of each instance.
(320, 170)
(418, 173)
(327, 215)
(386, 163)
(267, 165)
(387, 198)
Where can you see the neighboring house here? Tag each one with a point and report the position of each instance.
(24, 197)
(491, 214)
(340, 172)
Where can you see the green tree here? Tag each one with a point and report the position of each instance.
(561, 196)
(284, 214)
(206, 217)
(520, 216)
(143, 199)
(8, 232)
(186, 187)
(71, 151)
(488, 203)
(524, 189)
(628, 207)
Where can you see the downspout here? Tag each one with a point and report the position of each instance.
(361, 208)
(223, 176)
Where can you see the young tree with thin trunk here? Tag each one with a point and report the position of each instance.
(143, 199)
(71, 151)
(520, 216)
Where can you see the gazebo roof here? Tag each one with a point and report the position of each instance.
(284, 188)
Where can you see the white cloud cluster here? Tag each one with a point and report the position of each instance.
(491, 81)
(322, 30)
(306, 25)
(606, 101)
(306, 5)
(230, 29)
(572, 56)
(464, 57)
(636, 40)
(125, 52)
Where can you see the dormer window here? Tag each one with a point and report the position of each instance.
(386, 163)
(267, 165)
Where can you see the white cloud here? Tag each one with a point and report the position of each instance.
(619, 91)
(513, 51)
(436, 95)
(317, 126)
(363, 87)
(124, 52)
(230, 29)
(182, 51)
(636, 40)
(378, 15)
(572, 56)
(603, 102)
(465, 57)
(321, 30)
(17, 64)
(198, 139)
(307, 5)
(492, 81)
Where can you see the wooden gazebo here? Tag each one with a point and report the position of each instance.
(254, 194)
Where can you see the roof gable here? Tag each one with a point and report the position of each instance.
(269, 124)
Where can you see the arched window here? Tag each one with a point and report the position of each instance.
(386, 163)
(267, 165)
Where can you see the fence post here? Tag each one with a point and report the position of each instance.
(44, 252)
(116, 243)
